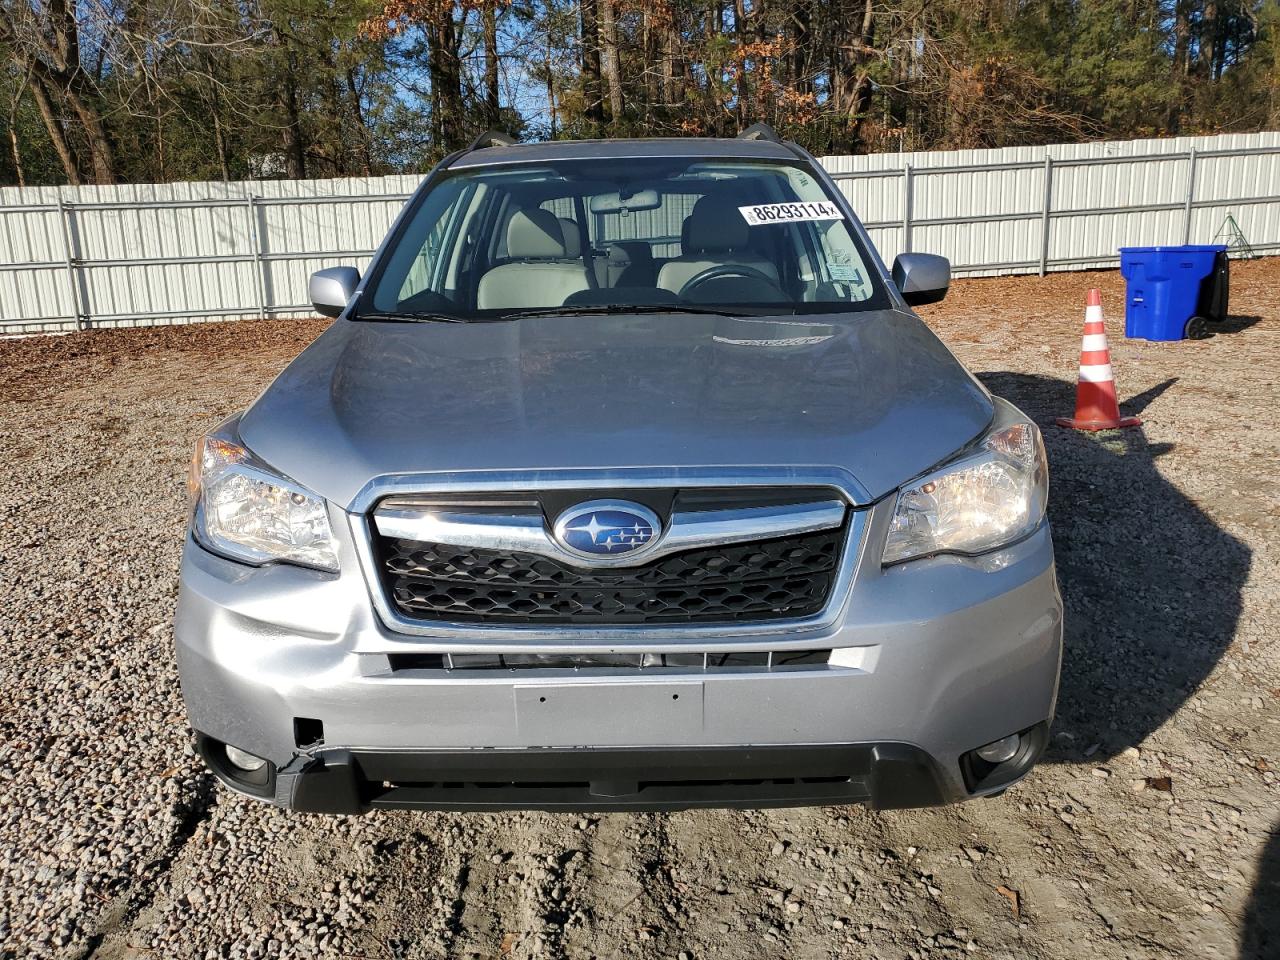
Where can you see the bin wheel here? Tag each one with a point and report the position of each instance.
(1198, 329)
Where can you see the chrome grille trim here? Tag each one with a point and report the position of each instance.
(528, 533)
(595, 478)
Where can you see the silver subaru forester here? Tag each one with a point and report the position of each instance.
(625, 479)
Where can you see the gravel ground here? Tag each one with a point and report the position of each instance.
(1150, 831)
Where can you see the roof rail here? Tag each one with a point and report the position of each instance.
(760, 131)
(492, 138)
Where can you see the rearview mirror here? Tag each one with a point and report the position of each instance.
(331, 289)
(921, 277)
(616, 203)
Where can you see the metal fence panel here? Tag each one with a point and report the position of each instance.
(1000, 194)
(154, 253)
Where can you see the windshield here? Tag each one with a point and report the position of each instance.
(761, 238)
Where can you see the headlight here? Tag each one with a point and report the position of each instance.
(992, 495)
(247, 511)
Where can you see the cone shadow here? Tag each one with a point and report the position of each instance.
(1140, 401)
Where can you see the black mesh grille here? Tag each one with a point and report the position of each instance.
(763, 580)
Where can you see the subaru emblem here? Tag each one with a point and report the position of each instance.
(602, 529)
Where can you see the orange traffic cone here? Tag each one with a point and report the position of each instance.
(1096, 407)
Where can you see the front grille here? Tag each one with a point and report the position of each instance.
(774, 579)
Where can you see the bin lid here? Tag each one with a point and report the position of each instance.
(1179, 248)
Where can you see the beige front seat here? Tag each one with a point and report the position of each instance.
(539, 271)
(572, 238)
(715, 235)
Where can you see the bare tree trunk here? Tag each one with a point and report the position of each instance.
(712, 26)
(454, 134)
(1181, 37)
(52, 62)
(551, 90)
(446, 82)
(100, 152)
(361, 130)
(853, 60)
(489, 21)
(801, 46)
(163, 176)
(17, 154)
(1209, 38)
(612, 65)
(1181, 61)
(220, 145)
(592, 83)
(14, 147)
(676, 63)
(158, 119)
(71, 86)
(667, 78)
(740, 34)
(652, 75)
(759, 19)
(56, 134)
(295, 151)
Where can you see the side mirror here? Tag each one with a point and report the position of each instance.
(921, 277)
(331, 290)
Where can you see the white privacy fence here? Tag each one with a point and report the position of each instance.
(81, 257)
(1067, 206)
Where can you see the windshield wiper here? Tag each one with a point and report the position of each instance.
(601, 309)
(409, 317)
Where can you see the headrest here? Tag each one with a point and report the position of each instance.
(535, 233)
(572, 237)
(714, 225)
(630, 251)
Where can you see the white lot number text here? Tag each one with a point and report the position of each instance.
(763, 213)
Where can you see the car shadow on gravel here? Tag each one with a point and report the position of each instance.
(1151, 585)
(1260, 935)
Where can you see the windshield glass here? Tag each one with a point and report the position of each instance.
(754, 237)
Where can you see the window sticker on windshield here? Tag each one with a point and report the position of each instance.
(766, 213)
(845, 272)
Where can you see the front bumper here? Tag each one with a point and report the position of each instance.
(936, 657)
(890, 775)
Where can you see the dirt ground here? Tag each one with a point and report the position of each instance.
(1151, 830)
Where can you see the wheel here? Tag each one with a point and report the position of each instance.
(1197, 328)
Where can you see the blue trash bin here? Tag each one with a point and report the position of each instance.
(1162, 288)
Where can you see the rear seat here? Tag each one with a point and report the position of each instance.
(628, 263)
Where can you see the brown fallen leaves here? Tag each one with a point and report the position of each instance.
(1015, 901)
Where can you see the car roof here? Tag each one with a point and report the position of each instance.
(709, 147)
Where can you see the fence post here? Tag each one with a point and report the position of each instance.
(1191, 192)
(69, 258)
(255, 244)
(906, 207)
(1044, 214)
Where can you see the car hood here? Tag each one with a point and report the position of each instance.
(874, 394)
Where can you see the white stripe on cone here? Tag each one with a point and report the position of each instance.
(1092, 342)
(1096, 372)
(1093, 314)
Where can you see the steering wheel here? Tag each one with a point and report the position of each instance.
(726, 270)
